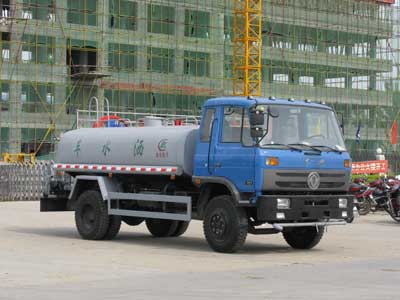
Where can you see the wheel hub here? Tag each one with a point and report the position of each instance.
(218, 225)
(88, 216)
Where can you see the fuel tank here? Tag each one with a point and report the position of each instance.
(143, 146)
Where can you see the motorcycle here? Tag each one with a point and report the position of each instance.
(362, 196)
(386, 196)
(381, 194)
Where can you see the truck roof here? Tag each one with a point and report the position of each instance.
(245, 102)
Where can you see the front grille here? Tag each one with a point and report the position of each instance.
(292, 180)
(322, 175)
(323, 185)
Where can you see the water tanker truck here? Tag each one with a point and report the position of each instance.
(253, 166)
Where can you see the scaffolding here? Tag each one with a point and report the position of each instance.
(169, 56)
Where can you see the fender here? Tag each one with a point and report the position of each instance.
(105, 184)
(220, 180)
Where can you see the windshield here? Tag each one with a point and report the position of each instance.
(302, 127)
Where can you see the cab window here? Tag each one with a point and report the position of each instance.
(207, 125)
(236, 126)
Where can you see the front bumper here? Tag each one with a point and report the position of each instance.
(304, 208)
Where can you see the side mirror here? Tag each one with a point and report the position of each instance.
(256, 132)
(256, 118)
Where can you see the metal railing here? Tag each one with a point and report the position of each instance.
(106, 118)
(85, 119)
(24, 181)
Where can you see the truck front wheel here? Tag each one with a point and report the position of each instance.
(303, 237)
(91, 216)
(225, 225)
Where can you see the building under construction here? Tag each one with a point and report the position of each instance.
(168, 56)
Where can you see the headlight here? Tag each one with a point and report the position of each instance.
(342, 203)
(283, 203)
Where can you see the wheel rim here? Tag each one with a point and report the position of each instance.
(88, 217)
(365, 207)
(218, 225)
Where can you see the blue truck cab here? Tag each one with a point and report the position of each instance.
(283, 162)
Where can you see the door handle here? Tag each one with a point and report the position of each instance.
(218, 165)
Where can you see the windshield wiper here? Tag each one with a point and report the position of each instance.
(331, 149)
(283, 145)
(306, 145)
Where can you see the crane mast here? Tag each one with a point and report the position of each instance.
(247, 46)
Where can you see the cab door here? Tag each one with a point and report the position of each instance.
(234, 151)
(204, 157)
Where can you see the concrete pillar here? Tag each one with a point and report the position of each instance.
(294, 43)
(15, 105)
(319, 79)
(15, 118)
(269, 76)
(293, 77)
(320, 43)
(142, 30)
(372, 76)
(217, 59)
(348, 83)
(372, 81)
(61, 11)
(102, 47)
(180, 35)
(349, 50)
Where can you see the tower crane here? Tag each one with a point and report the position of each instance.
(247, 46)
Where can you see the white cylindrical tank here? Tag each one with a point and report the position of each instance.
(144, 146)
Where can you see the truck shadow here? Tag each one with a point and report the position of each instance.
(388, 222)
(190, 243)
(186, 242)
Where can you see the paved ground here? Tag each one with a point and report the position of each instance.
(42, 257)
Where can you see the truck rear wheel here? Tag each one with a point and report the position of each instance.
(225, 225)
(132, 221)
(113, 227)
(181, 229)
(91, 216)
(303, 237)
(161, 228)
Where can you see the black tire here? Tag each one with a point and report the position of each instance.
(181, 229)
(161, 228)
(113, 228)
(306, 237)
(225, 225)
(91, 216)
(132, 221)
(395, 215)
(350, 220)
(364, 207)
(395, 218)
